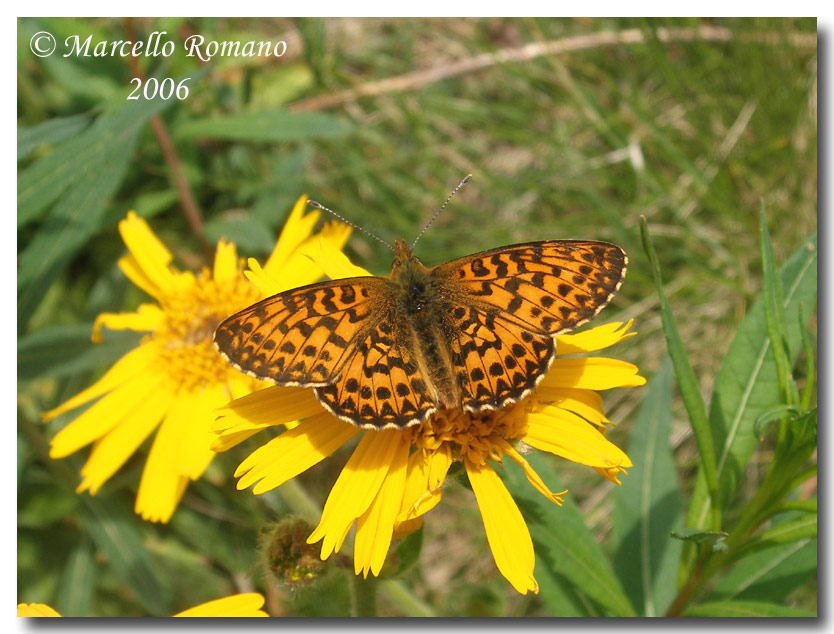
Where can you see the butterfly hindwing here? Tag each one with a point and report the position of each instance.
(381, 385)
(546, 287)
(495, 362)
(302, 336)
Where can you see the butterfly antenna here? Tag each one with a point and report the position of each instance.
(442, 207)
(313, 203)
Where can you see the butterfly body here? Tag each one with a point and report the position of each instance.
(476, 333)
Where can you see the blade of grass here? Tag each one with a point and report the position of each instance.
(687, 384)
(775, 315)
(78, 583)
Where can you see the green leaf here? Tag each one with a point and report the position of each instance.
(250, 234)
(745, 609)
(773, 298)
(79, 213)
(563, 542)
(265, 126)
(747, 384)
(78, 583)
(687, 383)
(716, 539)
(801, 528)
(647, 506)
(32, 139)
(770, 575)
(562, 597)
(65, 350)
(82, 157)
(113, 530)
(406, 553)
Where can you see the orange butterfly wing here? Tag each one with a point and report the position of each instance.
(508, 304)
(341, 338)
(381, 385)
(302, 336)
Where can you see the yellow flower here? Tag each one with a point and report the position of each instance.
(237, 605)
(394, 477)
(175, 378)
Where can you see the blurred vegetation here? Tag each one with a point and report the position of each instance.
(692, 123)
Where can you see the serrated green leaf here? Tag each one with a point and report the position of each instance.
(64, 350)
(32, 139)
(78, 582)
(113, 530)
(747, 384)
(562, 541)
(265, 126)
(745, 609)
(647, 507)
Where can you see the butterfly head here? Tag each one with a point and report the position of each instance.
(403, 257)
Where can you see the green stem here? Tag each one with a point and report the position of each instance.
(363, 596)
(396, 592)
(299, 501)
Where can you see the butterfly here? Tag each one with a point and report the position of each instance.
(477, 333)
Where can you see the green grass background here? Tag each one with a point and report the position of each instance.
(693, 133)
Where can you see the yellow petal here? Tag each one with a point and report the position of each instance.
(133, 363)
(297, 229)
(267, 284)
(586, 403)
(35, 609)
(375, 527)
(532, 477)
(246, 416)
(294, 452)
(104, 415)
(146, 318)
(507, 534)
(594, 339)
(150, 254)
(563, 433)
(133, 271)
(592, 373)
(329, 259)
(180, 453)
(336, 233)
(424, 482)
(238, 605)
(112, 451)
(356, 487)
(225, 261)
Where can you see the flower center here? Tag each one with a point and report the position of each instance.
(476, 437)
(185, 337)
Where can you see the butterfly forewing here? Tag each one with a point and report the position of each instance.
(548, 287)
(303, 336)
(509, 303)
